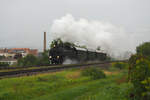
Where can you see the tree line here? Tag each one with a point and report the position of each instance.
(31, 60)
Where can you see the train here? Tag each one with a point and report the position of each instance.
(60, 52)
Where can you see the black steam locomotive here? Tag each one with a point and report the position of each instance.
(60, 52)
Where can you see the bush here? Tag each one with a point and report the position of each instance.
(4, 64)
(29, 60)
(146, 84)
(94, 73)
(139, 73)
(144, 49)
(120, 65)
(44, 59)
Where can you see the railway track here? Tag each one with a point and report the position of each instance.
(22, 72)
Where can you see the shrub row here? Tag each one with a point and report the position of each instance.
(93, 73)
(120, 65)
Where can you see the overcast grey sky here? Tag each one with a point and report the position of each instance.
(22, 22)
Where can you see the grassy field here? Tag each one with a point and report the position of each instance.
(66, 85)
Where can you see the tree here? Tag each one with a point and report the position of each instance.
(44, 60)
(98, 48)
(29, 60)
(1, 57)
(144, 49)
(139, 73)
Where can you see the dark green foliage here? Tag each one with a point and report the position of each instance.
(3, 64)
(139, 71)
(120, 65)
(94, 73)
(44, 59)
(29, 60)
(1, 57)
(144, 49)
(146, 84)
(98, 48)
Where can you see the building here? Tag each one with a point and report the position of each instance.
(25, 51)
(9, 61)
(33, 52)
(10, 53)
(10, 56)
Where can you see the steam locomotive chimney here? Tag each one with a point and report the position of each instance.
(44, 42)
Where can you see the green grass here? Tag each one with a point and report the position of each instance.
(64, 85)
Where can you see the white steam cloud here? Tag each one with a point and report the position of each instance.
(92, 33)
(70, 61)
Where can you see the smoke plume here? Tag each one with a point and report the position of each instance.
(70, 61)
(93, 33)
